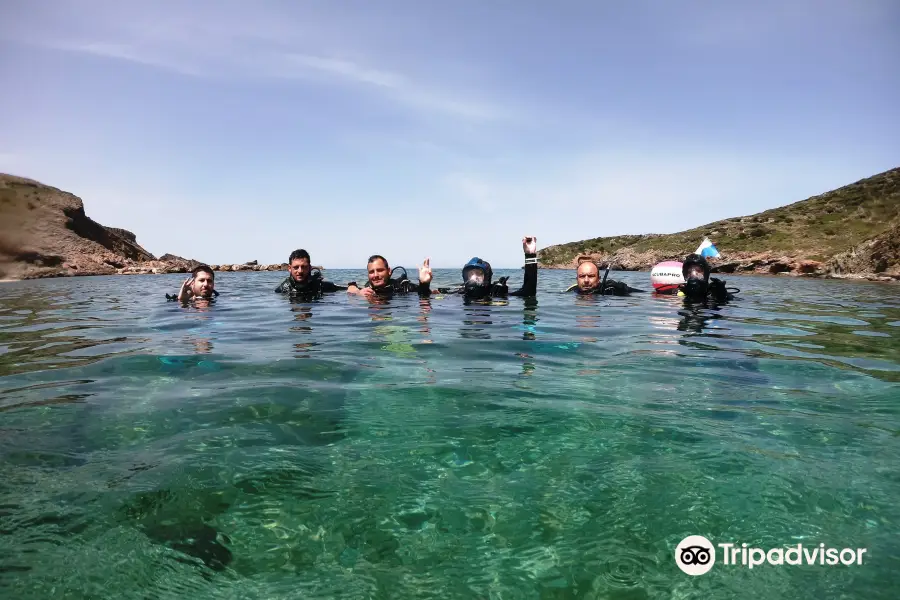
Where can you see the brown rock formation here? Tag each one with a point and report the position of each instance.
(880, 256)
(45, 232)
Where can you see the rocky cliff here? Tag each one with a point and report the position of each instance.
(46, 232)
(847, 232)
(879, 255)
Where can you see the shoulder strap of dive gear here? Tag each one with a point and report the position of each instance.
(315, 280)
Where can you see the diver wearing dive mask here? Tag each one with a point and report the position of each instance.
(478, 277)
(697, 283)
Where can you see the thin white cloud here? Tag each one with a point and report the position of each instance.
(237, 45)
(399, 87)
(350, 70)
(127, 53)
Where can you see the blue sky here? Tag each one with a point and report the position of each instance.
(230, 131)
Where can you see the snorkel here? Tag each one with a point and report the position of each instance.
(605, 275)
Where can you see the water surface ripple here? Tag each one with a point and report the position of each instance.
(557, 448)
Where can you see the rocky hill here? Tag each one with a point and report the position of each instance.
(849, 232)
(852, 230)
(45, 232)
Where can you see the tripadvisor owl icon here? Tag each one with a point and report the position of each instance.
(695, 555)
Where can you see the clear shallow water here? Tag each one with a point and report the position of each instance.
(269, 449)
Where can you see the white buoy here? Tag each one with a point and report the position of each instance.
(666, 276)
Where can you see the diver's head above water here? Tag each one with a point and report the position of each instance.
(204, 281)
(695, 271)
(379, 272)
(588, 275)
(299, 266)
(477, 276)
(200, 285)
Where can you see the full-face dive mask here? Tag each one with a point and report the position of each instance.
(477, 277)
(695, 271)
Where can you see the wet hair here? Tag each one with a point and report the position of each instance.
(203, 269)
(375, 257)
(301, 254)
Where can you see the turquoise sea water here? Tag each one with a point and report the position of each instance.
(552, 449)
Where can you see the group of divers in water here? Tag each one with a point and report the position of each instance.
(478, 285)
(304, 283)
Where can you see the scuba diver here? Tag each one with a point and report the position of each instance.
(201, 285)
(383, 284)
(589, 282)
(697, 284)
(477, 277)
(304, 281)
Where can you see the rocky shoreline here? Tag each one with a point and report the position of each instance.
(161, 267)
(45, 232)
(761, 273)
(873, 260)
(150, 267)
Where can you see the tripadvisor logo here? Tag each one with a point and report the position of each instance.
(696, 555)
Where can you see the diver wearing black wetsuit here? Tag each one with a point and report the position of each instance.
(698, 286)
(477, 277)
(303, 281)
(589, 282)
(314, 286)
(383, 284)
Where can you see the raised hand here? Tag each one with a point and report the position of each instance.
(529, 244)
(185, 293)
(425, 271)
